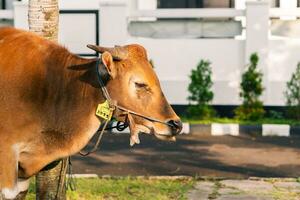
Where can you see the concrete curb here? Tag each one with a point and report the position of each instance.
(134, 177)
(82, 176)
(264, 130)
(182, 177)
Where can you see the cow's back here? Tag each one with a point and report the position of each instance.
(30, 70)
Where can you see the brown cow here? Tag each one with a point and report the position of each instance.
(48, 99)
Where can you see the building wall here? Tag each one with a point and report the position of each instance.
(174, 58)
(284, 55)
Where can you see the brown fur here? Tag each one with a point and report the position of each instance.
(48, 98)
(43, 105)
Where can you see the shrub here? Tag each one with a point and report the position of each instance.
(251, 90)
(292, 94)
(275, 114)
(200, 91)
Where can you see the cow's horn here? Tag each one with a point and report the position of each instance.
(118, 52)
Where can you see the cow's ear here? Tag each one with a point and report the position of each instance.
(108, 62)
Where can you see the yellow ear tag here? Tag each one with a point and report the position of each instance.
(104, 111)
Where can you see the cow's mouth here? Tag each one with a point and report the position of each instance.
(165, 137)
(151, 130)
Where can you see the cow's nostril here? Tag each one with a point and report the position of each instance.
(176, 125)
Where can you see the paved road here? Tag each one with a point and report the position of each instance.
(259, 189)
(224, 156)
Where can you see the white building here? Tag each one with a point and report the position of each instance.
(179, 33)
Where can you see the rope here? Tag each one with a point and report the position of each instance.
(97, 143)
(103, 88)
(71, 183)
(121, 126)
(62, 177)
(143, 116)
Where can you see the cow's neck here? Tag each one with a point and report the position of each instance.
(68, 100)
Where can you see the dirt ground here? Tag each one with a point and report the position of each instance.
(224, 156)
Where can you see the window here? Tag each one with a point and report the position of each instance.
(195, 4)
(218, 4)
(179, 4)
(7, 4)
(3, 4)
(277, 3)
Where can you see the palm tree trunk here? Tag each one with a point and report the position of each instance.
(50, 184)
(43, 17)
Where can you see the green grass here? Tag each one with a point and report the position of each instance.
(283, 194)
(232, 120)
(126, 189)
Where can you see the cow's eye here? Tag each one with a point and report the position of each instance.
(140, 85)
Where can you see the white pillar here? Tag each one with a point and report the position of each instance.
(113, 23)
(257, 36)
(142, 5)
(257, 28)
(147, 4)
(21, 15)
(133, 5)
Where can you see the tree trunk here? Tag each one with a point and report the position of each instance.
(21, 195)
(50, 184)
(43, 17)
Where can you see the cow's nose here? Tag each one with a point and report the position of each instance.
(176, 126)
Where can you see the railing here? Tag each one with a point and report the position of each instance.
(188, 13)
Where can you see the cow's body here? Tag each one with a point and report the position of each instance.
(48, 99)
(45, 111)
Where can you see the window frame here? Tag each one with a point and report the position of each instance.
(277, 3)
(201, 4)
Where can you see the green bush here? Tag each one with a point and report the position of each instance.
(200, 91)
(275, 115)
(251, 112)
(251, 90)
(292, 95)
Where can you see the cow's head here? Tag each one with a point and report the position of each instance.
(134, 85)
